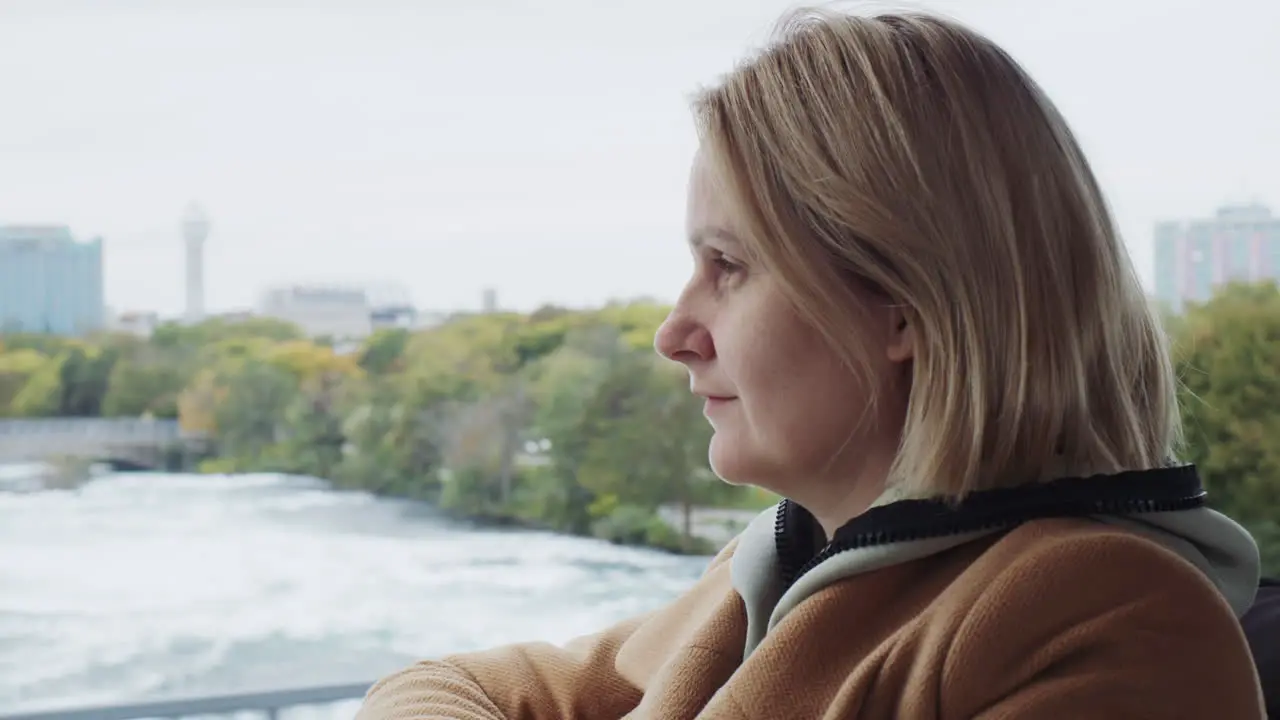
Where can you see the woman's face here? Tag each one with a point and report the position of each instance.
(787, 414)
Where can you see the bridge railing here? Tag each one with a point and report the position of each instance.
(269, 703)
(121, 429)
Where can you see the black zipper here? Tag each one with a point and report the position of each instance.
(1143, 491)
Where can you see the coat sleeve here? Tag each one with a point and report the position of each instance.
(1104, 627)
(531, 681)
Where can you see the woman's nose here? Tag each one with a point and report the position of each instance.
(682, 339)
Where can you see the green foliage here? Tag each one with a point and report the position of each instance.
(83, 376)
(559, 419)
(250, 418)
(41, 394)
(16, 368)
(214, 331)
(146, 384)
(47, 345)
(638, 525)
(1228, 356)
(312, 426)
(383, 351)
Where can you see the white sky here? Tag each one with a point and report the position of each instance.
(539, 147)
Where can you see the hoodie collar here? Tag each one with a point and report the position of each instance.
(1164, 489)
(780, 561)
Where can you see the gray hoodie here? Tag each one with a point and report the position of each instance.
(1212, 542)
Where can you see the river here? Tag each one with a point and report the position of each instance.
(141, 586)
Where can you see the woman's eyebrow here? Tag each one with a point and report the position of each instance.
(698, 237)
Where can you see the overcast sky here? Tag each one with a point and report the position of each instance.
(538, 147)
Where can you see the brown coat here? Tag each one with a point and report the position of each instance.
(1057, 618)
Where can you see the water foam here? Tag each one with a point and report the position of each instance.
(138, 585)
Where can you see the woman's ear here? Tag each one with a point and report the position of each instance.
(902, 337)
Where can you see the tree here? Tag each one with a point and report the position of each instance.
(215, 330)
(563, 387)
(251, 416)
(198, 403)
(16, 368)
(84, 375)
(394, 445)
(383, 352)
(145, 383)
(369, 454)
(648, 440)
(48, 345)
(482, 450)
(636, 322)
(313, 438)
(41, 395)
(1228, 356)
(305, 360)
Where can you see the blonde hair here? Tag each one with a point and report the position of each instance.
(910, 155)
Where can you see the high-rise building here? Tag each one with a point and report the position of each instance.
(1192, 259)
(50, 282)
(195, 230)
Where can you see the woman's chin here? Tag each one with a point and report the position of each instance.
(728, 461)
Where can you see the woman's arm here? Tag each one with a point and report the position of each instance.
(534, 680)
(531, 681)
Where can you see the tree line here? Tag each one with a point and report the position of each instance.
(557, 418)
(560, 419)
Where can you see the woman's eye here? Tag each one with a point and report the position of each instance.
(725, 265)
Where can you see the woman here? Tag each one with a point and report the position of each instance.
(911, 316)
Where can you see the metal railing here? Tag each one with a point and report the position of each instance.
(124, 429)
(269, 703)
(143, 441)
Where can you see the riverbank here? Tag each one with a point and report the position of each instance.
(537, 498)
(714, 525)
(702, 530)
(705, 531)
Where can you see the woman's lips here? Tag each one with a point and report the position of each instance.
(714, 403)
